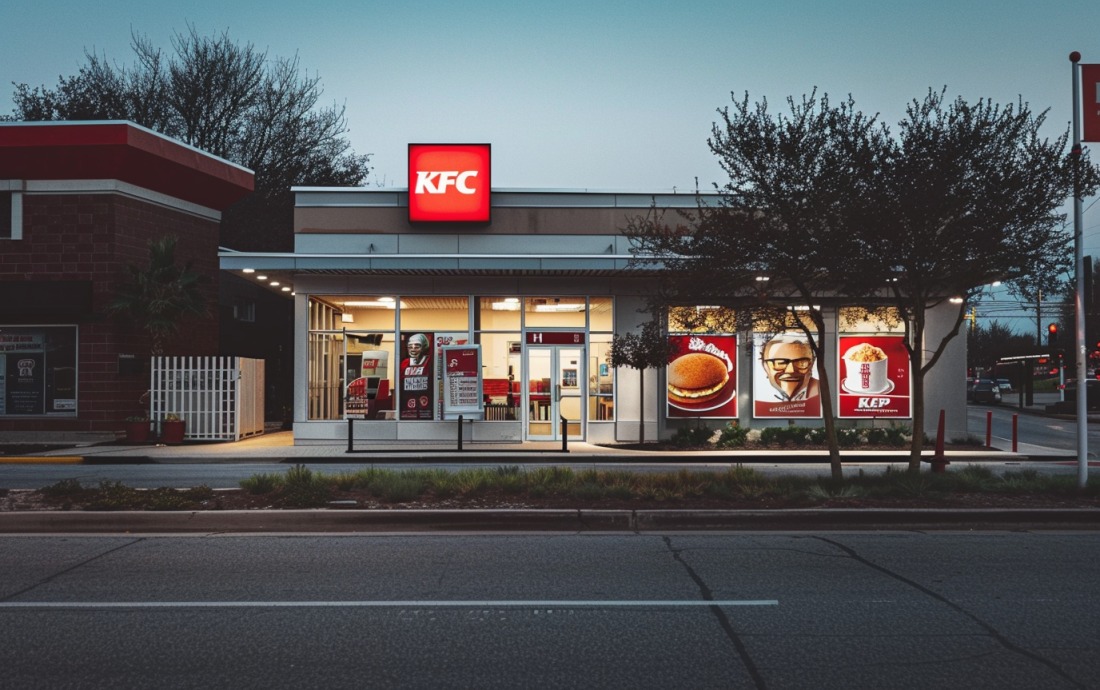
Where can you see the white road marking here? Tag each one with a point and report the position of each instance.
(413, 603)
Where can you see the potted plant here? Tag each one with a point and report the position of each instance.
(137, 429)
(171, 429)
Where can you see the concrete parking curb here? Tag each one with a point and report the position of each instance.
(550, 520)
(41, 459)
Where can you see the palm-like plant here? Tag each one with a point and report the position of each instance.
(157, 297)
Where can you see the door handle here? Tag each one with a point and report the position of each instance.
(557, 392)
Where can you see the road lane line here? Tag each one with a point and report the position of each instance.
(417, 603)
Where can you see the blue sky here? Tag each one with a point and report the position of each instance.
(595, 95)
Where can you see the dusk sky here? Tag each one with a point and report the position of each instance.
(594, 95)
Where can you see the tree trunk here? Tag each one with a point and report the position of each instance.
(917, 445)
(836, 470)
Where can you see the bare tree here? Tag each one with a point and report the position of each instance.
(972, 194)
(225, 98)
(785, 236)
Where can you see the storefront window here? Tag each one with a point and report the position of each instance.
(601, 314)
(351, 345)
(702, 319)
(870, 320)
(601, 379)
(498, 314)
(38, 370)
(554, 312)
(377, 344)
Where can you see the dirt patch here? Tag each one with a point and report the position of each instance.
(236, 499)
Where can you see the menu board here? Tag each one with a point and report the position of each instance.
(462, 381)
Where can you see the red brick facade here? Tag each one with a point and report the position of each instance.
(90, 237)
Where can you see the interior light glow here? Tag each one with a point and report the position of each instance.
(559, 307)
(248, 270)
(374, 304)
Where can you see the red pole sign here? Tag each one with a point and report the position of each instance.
(1090, 99)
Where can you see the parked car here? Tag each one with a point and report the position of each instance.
(986, 391)
(1092, 393)
(1005, 385)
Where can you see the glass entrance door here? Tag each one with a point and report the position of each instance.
(555, 389)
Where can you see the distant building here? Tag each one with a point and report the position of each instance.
(79, 204)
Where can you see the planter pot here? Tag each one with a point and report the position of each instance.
(171, 433)
(137, 432)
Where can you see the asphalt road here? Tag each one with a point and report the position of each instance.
(798, 610)
(1037, 435)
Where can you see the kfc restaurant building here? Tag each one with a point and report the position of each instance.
(416, 305)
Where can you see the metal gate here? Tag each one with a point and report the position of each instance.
(218, 398)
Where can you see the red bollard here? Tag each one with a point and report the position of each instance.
(988, 429)
(1014, 429)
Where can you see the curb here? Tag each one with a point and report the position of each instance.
(42, 459)
(543, 520)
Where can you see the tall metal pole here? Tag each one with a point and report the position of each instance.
(1079, 299)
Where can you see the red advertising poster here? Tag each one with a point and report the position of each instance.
(785, 380)
(702, 376)
(461, 380)
(873, 377)
(1090, 102)
(416, 383)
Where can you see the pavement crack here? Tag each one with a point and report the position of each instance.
(720, 615)
(989, 629)
(51, 578)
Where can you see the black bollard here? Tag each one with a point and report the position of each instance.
(351, 437)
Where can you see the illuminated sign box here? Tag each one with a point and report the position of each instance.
(449, 183)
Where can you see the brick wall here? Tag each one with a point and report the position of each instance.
(94, 237)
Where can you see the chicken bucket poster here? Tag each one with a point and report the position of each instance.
(873, 377)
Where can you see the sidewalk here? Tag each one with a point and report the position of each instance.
(278, 447)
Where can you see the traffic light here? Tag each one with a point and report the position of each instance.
(1052, 335)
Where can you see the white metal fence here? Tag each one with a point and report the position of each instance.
(218, 398)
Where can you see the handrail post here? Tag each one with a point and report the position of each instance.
(459, 432)
(564, 434)
(351, 436)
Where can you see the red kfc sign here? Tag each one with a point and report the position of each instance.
(449, 183)
(1090, 96)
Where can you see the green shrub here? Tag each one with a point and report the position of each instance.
(399, 487)
(848, 438)
(474, 481)
(589, 491)
(691, 437)
(732, 436)
(304, 488)
(771, 435)
(259, 484)
(64, 488)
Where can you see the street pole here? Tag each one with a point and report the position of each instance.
(1078, 302)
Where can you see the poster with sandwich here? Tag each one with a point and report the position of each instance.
(702, 376)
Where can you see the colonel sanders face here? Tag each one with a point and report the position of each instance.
(788, 363)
